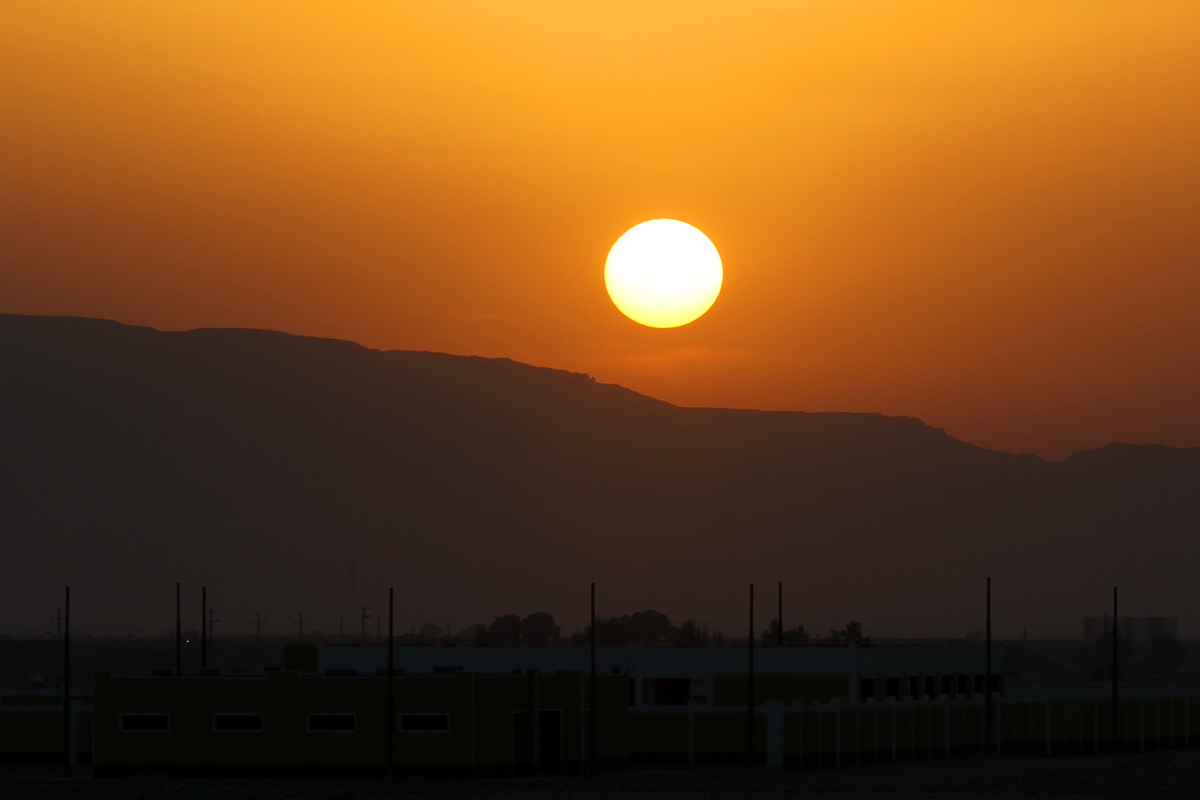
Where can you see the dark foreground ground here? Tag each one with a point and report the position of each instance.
(1160, 775)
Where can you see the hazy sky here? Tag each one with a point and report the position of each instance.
(985, 215)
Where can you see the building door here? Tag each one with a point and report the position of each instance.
(550, 746)
(523, 743)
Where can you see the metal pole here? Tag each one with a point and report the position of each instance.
(781, 613)
(592, 726)
(66, 697)
(203, 626)
(987, 678)
(178, 631)
(391, 684)
(1115, 670)
(750, 687)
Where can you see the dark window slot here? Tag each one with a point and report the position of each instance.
(424, 723)
(672, 691)
(550, 740)
(331, 723)
(145, 723)
(237, 723)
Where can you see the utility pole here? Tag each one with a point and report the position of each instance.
(592, 726)
(1116, 671)
(203, 627)
(1024, 648)
(257, 627)
(58, 620)
(987, 680)
(365, 617)
(178, 631)
(392, 721)
(750, 687)
(212, 629)
(781, 613)
(66, 696)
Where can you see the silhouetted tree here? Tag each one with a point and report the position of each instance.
(641, 627)
(794, 636)
(850, 634)
(505, 630)
(691, 635)
(538, 629)
(430, 631)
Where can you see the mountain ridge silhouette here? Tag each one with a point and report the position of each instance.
(295, 473)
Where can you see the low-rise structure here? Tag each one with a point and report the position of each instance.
(283, 723)
(1133, 629)
(709, 676)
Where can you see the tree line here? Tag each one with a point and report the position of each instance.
(647, 627)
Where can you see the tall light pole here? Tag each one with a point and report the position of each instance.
(1116, 671)
(66, 696)
(987, 680)
(750, 687)
(178, 631)
(203, 627)
(392, 721)
(592, 726)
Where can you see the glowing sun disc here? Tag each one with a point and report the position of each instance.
(663, 273)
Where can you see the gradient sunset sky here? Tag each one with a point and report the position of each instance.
(982, 214)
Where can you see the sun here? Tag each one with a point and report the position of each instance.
(663, 273)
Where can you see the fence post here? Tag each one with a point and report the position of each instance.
(858, 732)
(999, 728)
(929, 726)
(947, 707)
(691, 709)
(893, 732)
(1127, 733)
(875, 731)
(1081, 727)
(817, 704)
(774, 709)
(800, 744)
(837, 731)
(1047, 727)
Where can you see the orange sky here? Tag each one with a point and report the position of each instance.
(985, 215)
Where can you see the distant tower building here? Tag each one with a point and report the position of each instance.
(1133, 629)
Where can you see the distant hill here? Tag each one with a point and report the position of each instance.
(298, 474)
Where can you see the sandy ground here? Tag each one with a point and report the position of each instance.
(1158, 775)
